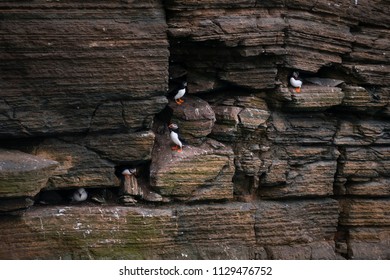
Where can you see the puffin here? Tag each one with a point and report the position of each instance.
(129, 172)
(79, 195)
(180, 93)
(295, 81)
(174, 135)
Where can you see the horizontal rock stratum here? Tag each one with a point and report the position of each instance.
(266, 171)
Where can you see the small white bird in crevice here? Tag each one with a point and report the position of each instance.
(174, 135)
(296, 82)
(79, 195)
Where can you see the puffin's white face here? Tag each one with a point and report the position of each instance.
(80, 194)
(173, 126)
(126, 172)
(129, 172)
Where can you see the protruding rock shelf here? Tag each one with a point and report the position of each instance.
(265, 173)
(22, 176)
(264, 230)
(198, 173)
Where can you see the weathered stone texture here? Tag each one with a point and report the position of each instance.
(194, 117)
(59, 68)
(224, 231)
(318, 223)
(23, 174)
(265, 172)
(198, 173)
(365, 212)
(78, 166)
(312, 98)
(369, 243)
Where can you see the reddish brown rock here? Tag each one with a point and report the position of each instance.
(363, 100)
(369, 243)
(298, 171)
(311, 98)
(96, 232)
(197, 173)
(195, 119)
(298, 128)
(355, 132)
(226, 125)
(365, 212)
(83, 82)
(59, 68)
(121, 148)
(286, 234)
(78, 166)
(23, 174)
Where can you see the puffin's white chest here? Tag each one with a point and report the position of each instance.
(180, 93)
(175, 138)
(80, 195)
(295, 83)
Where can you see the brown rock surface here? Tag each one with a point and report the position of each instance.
(194, 117)
(293, 176)
(312, 98)
(23, 174)
(58, 68)
(362, 100)
(369, 243)
(78, 166)
(197, 173)
(365, 212)
(216, 231)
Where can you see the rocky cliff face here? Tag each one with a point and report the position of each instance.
(265, 172)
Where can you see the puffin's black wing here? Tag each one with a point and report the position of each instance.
(182, 140)
(175, 88)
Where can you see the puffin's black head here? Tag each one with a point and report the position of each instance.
(173, 126)
(183, 84)
(295, 74)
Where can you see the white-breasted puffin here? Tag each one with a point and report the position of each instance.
(174, 135)
(295, 81)
(180, 93)
(79, 195)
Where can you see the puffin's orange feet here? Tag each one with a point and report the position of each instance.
(174, 148)
(177, 102)
(298, 89)
(179, 150)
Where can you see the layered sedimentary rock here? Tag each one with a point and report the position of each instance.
(88, 82)
(314, 231)
(59, 69)
(194, 117)
(311, 98)
(22, 176)
(181, 232)
(198, 173)
(265, 172)
(78, 165)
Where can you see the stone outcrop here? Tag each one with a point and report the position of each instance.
(194, 117)
(265, 172)
(198, 173)
(60, 69)
(178, 232)
(22, 176)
